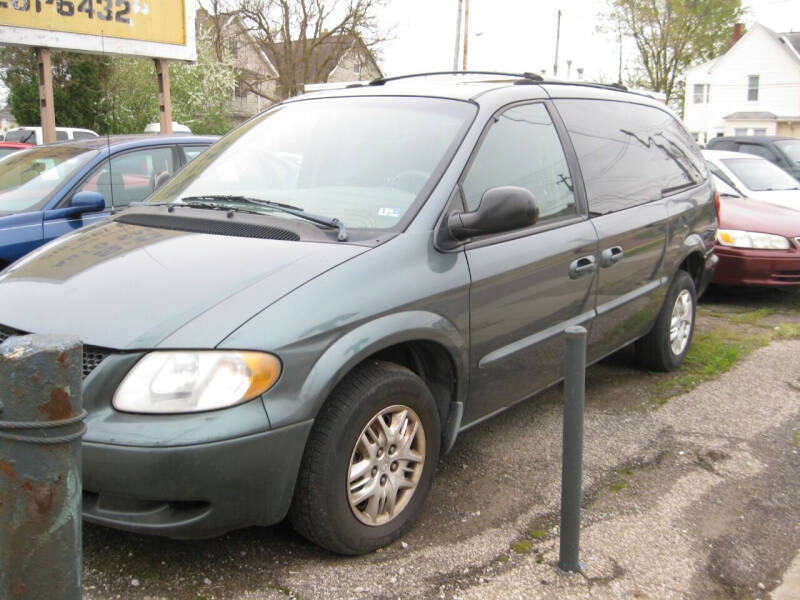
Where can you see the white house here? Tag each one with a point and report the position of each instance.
(752, 89)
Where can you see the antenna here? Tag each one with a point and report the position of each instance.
(108, 135)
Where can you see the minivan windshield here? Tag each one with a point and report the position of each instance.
(28, 178)
(761, 175)
(362, 160)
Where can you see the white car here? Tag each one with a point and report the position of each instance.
(33, 135)
(754, 177)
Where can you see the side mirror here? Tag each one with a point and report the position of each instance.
(84, 202)
(501, 209)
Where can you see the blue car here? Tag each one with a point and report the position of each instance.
(51, 190)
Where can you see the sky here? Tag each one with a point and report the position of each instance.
(520, 35)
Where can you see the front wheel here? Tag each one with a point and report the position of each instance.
(369, 460)
(665, 347)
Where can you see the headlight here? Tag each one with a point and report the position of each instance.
(181, 382)
(749, 239)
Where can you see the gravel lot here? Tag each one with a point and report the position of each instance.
(697, 497)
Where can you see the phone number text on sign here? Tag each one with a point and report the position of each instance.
(131, 19)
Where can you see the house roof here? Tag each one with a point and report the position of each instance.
(793, 39)
(750, 116)
(326, 53)
(790, 42)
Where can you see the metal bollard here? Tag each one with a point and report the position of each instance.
(572, 454)
(41, 425)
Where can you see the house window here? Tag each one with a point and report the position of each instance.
(357, 66)
(752, 88)
(239, 89)
(233, 47)
(740, 131)
(701, 93)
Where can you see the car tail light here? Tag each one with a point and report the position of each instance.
(716, 204)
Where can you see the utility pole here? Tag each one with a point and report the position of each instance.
(558, 37)
(458, 36)
(466, 31)
(619, 75)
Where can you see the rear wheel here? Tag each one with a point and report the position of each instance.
(369, 460)
(665, 347)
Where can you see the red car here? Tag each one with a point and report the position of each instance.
(758, 244)
(7, 148)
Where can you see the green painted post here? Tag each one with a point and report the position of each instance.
(572, 455)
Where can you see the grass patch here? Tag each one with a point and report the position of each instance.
(750, 317)
(787, 331)
(522, 546)
(796, 441)
(503, 558)
(537, 534)
(712, 353)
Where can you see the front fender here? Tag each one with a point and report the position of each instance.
(356, 345)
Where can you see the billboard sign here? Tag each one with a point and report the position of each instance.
(150, 28)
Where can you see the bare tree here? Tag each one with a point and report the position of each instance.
(304, 39)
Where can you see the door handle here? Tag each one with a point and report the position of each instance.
(582, 266)
(611, 256)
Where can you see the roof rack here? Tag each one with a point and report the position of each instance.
(525, 76)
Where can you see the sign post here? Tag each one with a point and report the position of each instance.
(46, 109)
(158, 29)
(164, 102)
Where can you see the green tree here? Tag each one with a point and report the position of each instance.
(673, 35)
(78, 83)
(118, 94)
(199, 91)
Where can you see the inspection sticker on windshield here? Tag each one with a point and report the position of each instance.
(390, 212)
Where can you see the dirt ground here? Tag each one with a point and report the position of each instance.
(695, 495)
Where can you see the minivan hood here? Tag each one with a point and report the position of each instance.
(125, 286)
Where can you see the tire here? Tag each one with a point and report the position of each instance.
(348, 444)
(663, 349)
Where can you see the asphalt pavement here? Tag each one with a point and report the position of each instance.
(695, 499)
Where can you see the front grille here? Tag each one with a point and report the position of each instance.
(92, 355)
(787, 276)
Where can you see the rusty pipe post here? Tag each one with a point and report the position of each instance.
(41, 425)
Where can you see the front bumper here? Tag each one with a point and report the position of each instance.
(746, 267)
(193, 491)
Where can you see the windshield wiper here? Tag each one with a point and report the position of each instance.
(287, 208)
(212, 206)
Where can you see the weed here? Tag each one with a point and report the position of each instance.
(618, 485)
(537, 534)
(522, 546)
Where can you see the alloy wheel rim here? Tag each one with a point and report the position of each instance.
(680, 327)
(386, 465)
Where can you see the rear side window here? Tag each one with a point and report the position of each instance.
(758, 151)
(26, 136)
(82, 135)
(724, 145)
(630, 154)
(522, 149)
(61, 135)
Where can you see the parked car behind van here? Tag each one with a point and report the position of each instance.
(51, 190)
(758, 243)
(782, 151)
(7, 148)
(33, 135)
(303, 320)
(754, 177)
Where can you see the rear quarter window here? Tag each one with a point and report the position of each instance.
(630, 153)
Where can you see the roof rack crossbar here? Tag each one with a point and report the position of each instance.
(526, 75)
